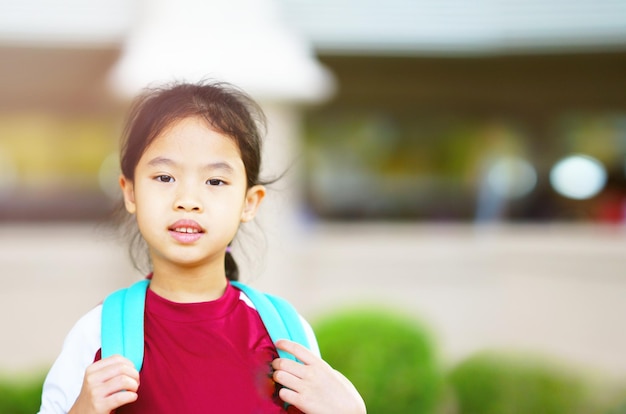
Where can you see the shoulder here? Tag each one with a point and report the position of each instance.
(64, 380)
(86, 331)
(308, 330)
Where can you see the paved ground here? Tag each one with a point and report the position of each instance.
(557, 289)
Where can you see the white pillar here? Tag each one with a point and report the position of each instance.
(244, 42)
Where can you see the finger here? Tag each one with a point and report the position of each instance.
(103, 390)
(297, 350)
(288, 365)
(113, 360)
(103, 370)
(287, 379)
(290, 397)
(110, 383)
(120, 383)
(117, 400)
(112, 366)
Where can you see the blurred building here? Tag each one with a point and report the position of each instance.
(427, 94)
(428, 112)
(432, 93)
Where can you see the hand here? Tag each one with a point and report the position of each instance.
(103, 381)
(314, 387)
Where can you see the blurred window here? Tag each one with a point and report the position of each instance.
(379, 164)
(56, 168)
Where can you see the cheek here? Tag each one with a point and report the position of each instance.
(148, 197)
(149, 213)
(231, 208)
(144, 222)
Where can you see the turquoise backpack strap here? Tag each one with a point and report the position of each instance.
(280, 318)
(123, 317)
(291, 319)
(122, 323)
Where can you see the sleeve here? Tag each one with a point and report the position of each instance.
(310, 336)
(65, 378)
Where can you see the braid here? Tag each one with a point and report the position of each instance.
(232, 270)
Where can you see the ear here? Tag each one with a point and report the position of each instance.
(254, 196)
(128, 190)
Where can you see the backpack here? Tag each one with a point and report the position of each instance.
(123, 314)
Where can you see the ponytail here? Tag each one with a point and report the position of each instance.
(232, 270)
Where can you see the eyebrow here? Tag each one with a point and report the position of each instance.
(155, 162)
(218, 165)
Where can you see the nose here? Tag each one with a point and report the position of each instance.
(187, 200)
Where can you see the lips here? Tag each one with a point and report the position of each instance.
(186, 231)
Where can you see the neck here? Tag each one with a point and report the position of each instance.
(188, 285)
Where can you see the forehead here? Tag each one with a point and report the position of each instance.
(192, 138)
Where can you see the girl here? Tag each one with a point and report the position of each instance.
(190, 175)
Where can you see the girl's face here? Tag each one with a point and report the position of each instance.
(189, 195)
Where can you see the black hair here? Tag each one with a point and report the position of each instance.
(227, 109)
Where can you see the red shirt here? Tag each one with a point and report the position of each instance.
(208, 357)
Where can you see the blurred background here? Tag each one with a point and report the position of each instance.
(462, 164)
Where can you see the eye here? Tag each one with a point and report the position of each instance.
(164, 178)
(215, 181)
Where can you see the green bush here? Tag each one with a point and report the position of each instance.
(620, 409)
(617, 402)
(20, 395)
(491, 383)
(391, 359)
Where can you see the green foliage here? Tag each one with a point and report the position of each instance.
(490, 383)
(618, 402)
(389, 358)
(20, 395)
(620, 409)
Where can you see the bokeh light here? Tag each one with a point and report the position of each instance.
(512, 177)
(578, 176)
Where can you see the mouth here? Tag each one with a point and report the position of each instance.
(189, 230)
(186, 231)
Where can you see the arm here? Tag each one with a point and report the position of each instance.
(76, 384)
(63, 382)
(314, 387)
